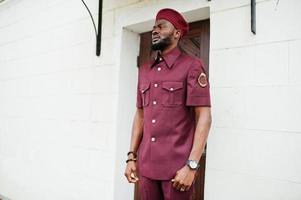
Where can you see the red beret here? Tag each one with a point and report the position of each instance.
(175, 18)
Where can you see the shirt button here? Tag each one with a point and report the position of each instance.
(155, 85)
(153, 121)
(153, 139)
(159, 68)
(154, 102)
(171, 89)
(160, 59)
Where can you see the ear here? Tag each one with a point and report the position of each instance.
(177, 34)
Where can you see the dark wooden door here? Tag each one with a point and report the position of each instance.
(196, 43)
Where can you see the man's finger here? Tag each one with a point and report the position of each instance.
(134, 176)
(175, 183)
(132, 180)
(179, 186)
(183, 189)
(131, 177)
(128, 177)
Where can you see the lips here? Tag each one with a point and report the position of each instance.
(156, 38)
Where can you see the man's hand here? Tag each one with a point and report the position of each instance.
(184, 178)
(131, 172)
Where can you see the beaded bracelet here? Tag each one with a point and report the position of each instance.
(131, 159)
(132, 152)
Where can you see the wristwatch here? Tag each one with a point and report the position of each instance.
(193, 164)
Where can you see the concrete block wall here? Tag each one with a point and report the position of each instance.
(57, 101)
(253, 150)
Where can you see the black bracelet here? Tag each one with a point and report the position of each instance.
(132, 152)
(131, 159)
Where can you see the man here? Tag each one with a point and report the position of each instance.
(173, 116)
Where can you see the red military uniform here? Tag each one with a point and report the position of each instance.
(167, 91)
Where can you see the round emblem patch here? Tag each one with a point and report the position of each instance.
(202, 80)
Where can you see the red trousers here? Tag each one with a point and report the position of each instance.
(161, 190)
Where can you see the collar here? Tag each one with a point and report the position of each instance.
(169, 58)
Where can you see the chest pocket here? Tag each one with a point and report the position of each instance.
(144, 91)
(172, 93)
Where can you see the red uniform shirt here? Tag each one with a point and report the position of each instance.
(167, 90)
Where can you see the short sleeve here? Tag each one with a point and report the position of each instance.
(198, 93)
(138, 94)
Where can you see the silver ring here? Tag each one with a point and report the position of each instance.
(182, 189)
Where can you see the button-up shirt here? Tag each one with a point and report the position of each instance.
(168, 89)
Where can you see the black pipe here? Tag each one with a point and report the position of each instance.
(253, 16)
(98, 38)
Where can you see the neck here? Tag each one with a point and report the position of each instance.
(169, 48)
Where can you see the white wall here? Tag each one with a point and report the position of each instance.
(254, 147)
(126, 106)
(58, 101)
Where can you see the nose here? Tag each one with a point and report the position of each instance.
(155, 31)
(154, 34)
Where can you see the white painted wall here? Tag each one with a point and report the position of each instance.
(58, 101)
(65, 114)
(127, 100)
(254, 147)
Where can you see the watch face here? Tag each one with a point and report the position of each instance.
(193, 164)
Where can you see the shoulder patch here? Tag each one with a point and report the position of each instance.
(202, 80)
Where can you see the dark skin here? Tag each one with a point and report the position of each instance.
(185, 176)
(164, 29)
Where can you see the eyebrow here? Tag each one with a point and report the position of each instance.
(162, 23)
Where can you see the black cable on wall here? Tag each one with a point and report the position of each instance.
(97, 34)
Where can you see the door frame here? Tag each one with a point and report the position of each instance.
(127, 49)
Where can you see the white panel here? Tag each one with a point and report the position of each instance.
(237, 186)
(295, 62)
(235, 31)
(269, 154)
(271, 64)
(232, 67)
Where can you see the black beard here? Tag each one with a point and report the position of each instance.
(162, 44)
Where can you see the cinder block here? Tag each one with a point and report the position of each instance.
(69, 35)
(232, 33)
(218, 6)
(232, 67)
(90, 135)
(103, 107)
(261, 153)
(270, 64)
(113, 4)
(294, 63)
(237, 186)
(293, 108)
(278, 22)
(104, 79)
(268, 108)
(108, 24)
(80, 81)
(108, 54)
(229, 107)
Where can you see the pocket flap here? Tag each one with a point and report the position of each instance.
(144, 87)
(172, 85)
